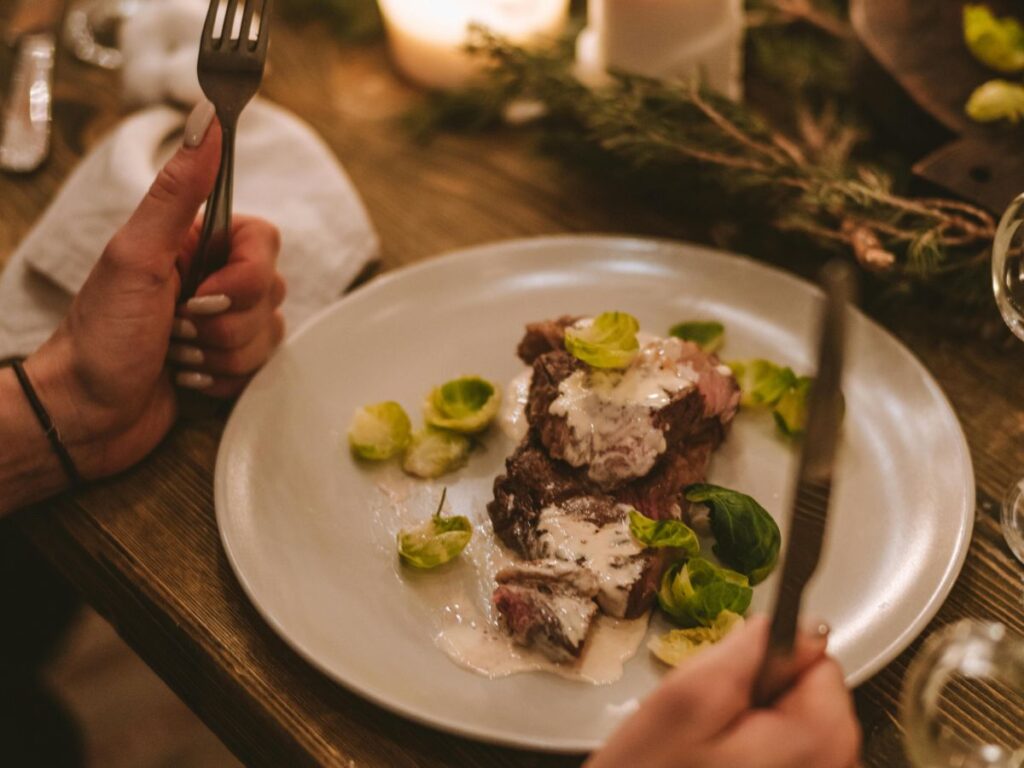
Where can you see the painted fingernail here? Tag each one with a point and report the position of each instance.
(208, 305)
(185, 353)
(194, 380)
(198, 123)
(184, 328)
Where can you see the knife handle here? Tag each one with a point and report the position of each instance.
(781, 666)
(26, 130)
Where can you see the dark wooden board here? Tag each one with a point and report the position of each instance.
(919, 44)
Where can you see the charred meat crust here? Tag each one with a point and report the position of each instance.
(545, 336)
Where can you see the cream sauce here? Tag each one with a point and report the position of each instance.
(609, 552)
(490, 652)
(512, 417)
(610, 413)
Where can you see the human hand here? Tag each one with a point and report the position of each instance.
(702, 715)
(103, 374)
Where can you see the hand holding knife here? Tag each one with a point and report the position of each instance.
(814, 486)
(27, 115)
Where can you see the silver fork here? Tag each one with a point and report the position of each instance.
(230, 71)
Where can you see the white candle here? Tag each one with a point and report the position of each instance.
(426, 37)
(666, 39)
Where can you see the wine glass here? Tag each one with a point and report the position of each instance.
(1008, 287)
(966, 673)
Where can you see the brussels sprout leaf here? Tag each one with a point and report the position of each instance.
(663, 533)
(466, 405)
(609, 341)
(433, 452)
(708, 335)
(437, 541)
(379, 431)
(694, 592)
(746, 536)
(679, 644)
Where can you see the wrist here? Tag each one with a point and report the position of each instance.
(82, 427)
(29, 469)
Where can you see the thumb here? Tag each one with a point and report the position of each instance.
(167, 212)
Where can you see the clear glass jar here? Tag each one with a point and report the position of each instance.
(966, 673)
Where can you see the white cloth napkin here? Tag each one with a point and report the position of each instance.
(283, 173)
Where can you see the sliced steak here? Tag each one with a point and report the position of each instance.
(617, 424)
(593, 532)
(547, 605)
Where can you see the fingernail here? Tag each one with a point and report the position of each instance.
(208, 305)
(185, 353)
(198, 123)
(184, 328)
(822, 629)
(194, 380)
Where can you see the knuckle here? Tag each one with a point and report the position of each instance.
(225, 332)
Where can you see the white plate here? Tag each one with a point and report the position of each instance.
(301, 522)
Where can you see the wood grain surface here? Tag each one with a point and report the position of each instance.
(143, 547)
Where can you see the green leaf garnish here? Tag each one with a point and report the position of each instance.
(996, 100)
(663, 533)
(467, 404)
(607, 342)
(997, 43)
(694, 592)
(437, 541)
(379, 431)
(790, 411)
(746, 536)
(708, 335)
(762, 382)
(679, 644)
(432, 452)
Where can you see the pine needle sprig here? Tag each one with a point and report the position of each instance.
(675, 128)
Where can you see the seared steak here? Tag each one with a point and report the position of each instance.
(545, 336)
(547, 605)
(593, 532)
(599, 443)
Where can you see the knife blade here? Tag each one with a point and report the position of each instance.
(809, 512)
(28, 112)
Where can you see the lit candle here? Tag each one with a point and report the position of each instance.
(427, 36)
(665, 39)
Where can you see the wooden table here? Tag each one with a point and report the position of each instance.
(143, 548)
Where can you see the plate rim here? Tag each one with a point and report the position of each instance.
(613, 242)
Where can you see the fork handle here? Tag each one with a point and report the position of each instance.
(215, 239)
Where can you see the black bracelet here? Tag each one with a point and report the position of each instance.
(47, 424)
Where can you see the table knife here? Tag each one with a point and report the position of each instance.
(28, 112)
(810, 505)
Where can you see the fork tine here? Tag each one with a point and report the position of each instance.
(211, 22)
(243, 35)
(228, 29)
(260, 46)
